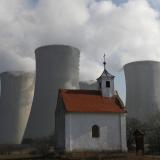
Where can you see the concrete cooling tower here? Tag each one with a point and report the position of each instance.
(142, 89)
(88, 85)
(17, 89)
(57, 66)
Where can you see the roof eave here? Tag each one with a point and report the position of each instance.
(96, 112)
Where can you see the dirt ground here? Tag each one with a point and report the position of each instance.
(129, 156)
(132, 156)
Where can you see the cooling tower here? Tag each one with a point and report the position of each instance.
(142, 89)
(57, 66)
(88, 85)
(17, 89)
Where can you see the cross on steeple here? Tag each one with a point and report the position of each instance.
(104, 63)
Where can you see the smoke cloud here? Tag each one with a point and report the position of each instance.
(126, 33)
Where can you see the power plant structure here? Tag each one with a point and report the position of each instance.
(142, 89)
(57, 66)
(88, 85)
(17, 89)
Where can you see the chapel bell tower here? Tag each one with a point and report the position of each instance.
(106, 82)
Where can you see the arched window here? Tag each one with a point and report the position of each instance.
(95, 131)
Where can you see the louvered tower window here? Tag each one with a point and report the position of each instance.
(107, 84)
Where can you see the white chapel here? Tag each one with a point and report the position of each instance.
(91, 120)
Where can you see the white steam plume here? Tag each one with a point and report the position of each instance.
(125, 32)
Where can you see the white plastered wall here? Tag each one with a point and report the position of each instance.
(78, 132)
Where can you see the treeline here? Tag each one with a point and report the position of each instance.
(151, 129)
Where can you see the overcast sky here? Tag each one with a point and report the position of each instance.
(125, 30)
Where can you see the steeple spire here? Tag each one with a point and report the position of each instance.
(106, 82)
(104, 63)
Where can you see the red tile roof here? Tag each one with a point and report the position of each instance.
(90, 101)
